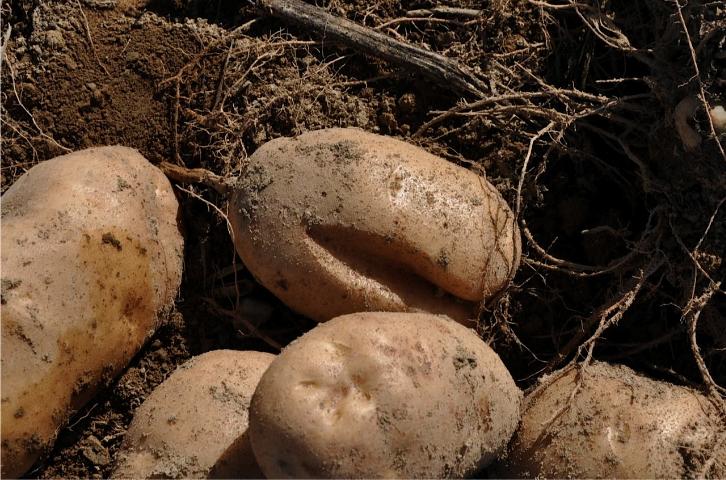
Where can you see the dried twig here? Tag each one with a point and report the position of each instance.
(195, 175)
(448, 11)
(537, 136)
(397, 21)
(435, 67)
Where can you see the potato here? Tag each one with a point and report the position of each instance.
(194, 425)
(383, 395)
(91, 256)
(620, 424)
(340, 221)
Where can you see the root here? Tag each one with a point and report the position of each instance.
(541, 388)
(90, 39)
(716, 451)
(252, 329)
(475, 105)
(4, 60)
(650, 236)
(697, 76)
(605, 317)
(196, 175)
(692, 312)
(230, 231)
(500, 322)
(537, 136)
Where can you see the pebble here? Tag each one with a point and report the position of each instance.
(95, 452)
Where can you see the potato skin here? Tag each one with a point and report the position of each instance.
(363, 222)
(383, 395)
(620, 425)
(194, 425)
(91, 254)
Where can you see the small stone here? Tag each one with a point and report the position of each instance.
(388, 121)
(97, 98)
(718, 117)
(94, 441)
(95, 452)
(96, 457)
(54, 39)
(407, 103)
(132, 56)
(69, 63)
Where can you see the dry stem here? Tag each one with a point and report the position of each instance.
(196, 175)
(437, 68)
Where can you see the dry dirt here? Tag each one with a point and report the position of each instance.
(609, 184)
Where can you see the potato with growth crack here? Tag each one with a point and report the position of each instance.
(91, 261)
(340, 221)
(619, 425)
(407, 395)
(194, 425)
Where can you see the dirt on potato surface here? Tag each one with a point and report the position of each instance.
(620, 194)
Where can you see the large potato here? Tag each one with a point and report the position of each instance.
(619, 425)
(194, 425)
(340, 221)
(91, 254)
(383, 395)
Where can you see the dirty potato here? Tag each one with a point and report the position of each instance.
(91, 255)
(194, 425)
(367, 395)
(340, 221)
(619, 425)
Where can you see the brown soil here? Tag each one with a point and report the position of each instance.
(174, 79)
